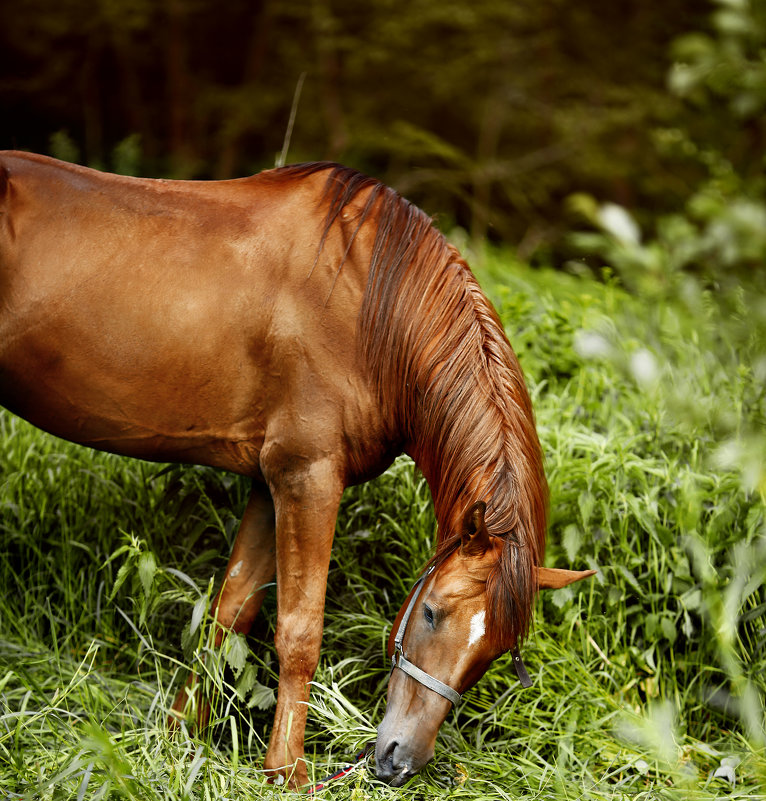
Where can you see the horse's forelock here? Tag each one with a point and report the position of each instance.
(510, 590)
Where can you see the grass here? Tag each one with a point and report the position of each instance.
(648, 680)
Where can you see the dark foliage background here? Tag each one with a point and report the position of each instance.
(488, 113)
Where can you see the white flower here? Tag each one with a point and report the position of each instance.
(616, 221)
(591, 345)
(643, 365)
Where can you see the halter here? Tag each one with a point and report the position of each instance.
(399, 660)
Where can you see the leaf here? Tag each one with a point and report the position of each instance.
(262, 697)
(562, 597)
(727, 770)
(692, 599)
(668, 629)
(572, 540)
(630, 578)
(587, 503)
(247, 681)
(147, 569)
(119, 580)
(197, 614)
(235, 653)
(188, 641)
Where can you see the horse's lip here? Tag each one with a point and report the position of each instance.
(401, 777)
(394, 779)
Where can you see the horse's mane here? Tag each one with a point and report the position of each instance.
(451, 384)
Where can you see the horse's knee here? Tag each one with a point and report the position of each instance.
(298, 643)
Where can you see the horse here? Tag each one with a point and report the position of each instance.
(300, 327)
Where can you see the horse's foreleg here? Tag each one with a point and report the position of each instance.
(251, 567)
(306, 504)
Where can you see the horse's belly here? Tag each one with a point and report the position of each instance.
(159, 397)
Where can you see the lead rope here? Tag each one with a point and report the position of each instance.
(345, 770)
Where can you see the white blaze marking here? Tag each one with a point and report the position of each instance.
(477, 628)
(236, 569)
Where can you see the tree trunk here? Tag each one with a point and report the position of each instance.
(330, 72)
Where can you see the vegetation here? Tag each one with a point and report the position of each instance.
(645, 352)
(649, 680)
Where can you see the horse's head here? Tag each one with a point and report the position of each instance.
(441, 647)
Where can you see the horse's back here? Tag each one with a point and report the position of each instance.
(171, 319)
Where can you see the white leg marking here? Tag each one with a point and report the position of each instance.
(236, 569)
(477, 628)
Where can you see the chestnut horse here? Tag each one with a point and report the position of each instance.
(300, 327)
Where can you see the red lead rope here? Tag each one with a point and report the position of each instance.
(368, 749)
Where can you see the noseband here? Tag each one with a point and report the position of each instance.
(399, 660)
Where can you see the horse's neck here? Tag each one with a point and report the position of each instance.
(433, 441)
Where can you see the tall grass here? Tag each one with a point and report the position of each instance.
(648, 681)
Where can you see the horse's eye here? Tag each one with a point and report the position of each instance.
(428, 614)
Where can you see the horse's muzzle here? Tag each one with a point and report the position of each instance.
(395, 763)
(389, 766)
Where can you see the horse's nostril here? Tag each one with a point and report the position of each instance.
(384, 762)
(386, 759)
(391, 766)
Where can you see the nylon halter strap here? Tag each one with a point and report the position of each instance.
(399, 660)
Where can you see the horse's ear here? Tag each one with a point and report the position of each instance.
(552, 578)
(475, 537)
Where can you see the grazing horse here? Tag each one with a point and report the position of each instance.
(300, 327)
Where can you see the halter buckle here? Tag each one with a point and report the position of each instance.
(395, 656)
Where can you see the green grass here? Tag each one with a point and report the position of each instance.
(645, 678)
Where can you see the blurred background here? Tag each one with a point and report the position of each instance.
(602, 164)
(622, 142)
(490, 114)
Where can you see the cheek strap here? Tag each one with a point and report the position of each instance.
(426, 679)
(399, 660)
